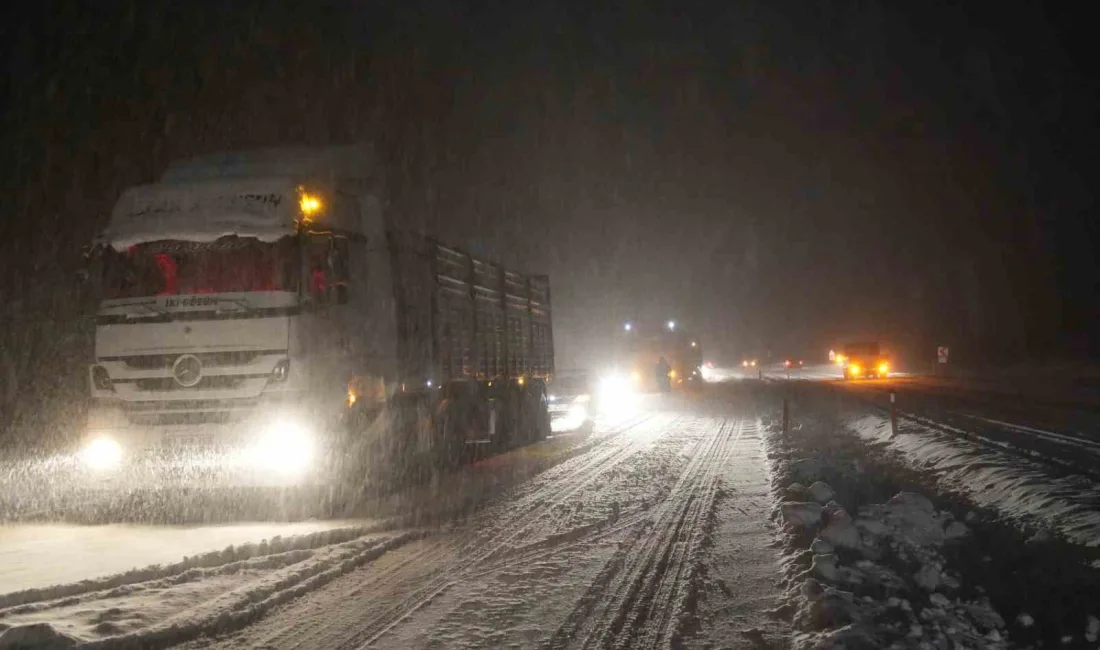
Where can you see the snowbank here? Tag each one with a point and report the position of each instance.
(878, 579)
(161, 606)
(1023, 491)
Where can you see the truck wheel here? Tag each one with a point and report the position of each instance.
(512, 420)
(541, 415)
(529, 416)
(447, 451)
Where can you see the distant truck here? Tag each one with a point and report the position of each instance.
(261, 303)
(640, 349)
(864, 360)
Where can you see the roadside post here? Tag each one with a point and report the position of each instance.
(893, 413)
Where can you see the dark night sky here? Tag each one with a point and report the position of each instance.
(770, 174)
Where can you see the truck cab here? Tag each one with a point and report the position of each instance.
(864, 360)
(259, 303)
(640, 349)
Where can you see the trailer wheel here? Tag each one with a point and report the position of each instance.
(448, 447)
(541, 414)
(513, 417)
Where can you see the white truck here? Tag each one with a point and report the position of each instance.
(259, 308)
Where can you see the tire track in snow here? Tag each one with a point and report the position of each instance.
(651, 580)
(472, 553)
(396, 587)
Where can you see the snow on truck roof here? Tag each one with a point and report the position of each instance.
(249, 194)
(262, 208)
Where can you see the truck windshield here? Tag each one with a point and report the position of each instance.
(173, 267)
(862, 349)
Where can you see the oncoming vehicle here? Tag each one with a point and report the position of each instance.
(748, 363)
(864, 360)
(260, 306)
(571, 401)
(656, 358)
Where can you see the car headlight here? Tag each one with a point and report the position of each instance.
(285, 447)
(883, 368)
(614, 388)
(102, 453)
(854, 369)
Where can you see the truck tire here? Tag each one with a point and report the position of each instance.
(511, 420)
(447, 452)
(541, 416)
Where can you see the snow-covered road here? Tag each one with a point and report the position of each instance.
(651, 531)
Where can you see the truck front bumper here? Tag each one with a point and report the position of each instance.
(270, 445)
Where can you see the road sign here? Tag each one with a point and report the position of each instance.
(941, 354)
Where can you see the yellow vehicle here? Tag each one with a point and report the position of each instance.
(864, 360)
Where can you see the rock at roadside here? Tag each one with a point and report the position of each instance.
(824, 567)
(38, 635)
(801, 515)
(821, 492)
(928, 577)
(797, 492)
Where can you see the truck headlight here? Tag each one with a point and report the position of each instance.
(102, 453)
(615, 387)
(854, 370)
(285, 447)
(883, 368)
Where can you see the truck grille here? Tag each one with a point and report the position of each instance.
(176, 419)
(208, 359)
(189, 405)
(184, 411)
(161, 384)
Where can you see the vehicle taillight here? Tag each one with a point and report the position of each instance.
(281, 371)
(101, 380)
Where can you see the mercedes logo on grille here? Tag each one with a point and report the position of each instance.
(187, 370)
